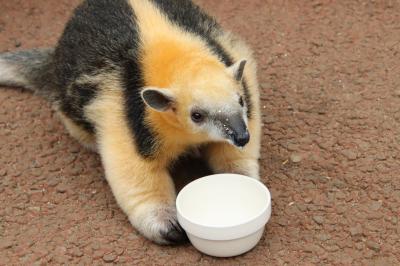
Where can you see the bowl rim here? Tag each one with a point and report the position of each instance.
(259, 214)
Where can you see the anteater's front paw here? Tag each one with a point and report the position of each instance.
(247, 167)
(159, 224)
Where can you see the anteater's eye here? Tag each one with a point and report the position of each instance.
(241, 101)
(197, 117)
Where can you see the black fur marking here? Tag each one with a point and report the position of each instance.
(74, 99)
(145, 139)
(101, 36)
(189, 16)
(239, 72)
(99, 33)
(247, 98)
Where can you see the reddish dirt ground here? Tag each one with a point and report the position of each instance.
(329, 72)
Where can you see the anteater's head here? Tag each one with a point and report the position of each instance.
(204, 102)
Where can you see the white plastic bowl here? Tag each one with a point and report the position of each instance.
(224, 215)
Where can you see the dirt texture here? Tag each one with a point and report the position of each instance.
(330, 78)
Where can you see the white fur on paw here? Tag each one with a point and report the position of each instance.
(251, 168)
(247, 167)
(159, 224)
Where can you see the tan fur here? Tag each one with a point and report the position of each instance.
(85, 138)
(167, 50)
(139, 185)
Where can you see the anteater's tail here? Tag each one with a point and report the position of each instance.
(31, 69)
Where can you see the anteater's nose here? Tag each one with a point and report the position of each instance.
(241, 139)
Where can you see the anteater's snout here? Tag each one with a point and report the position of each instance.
(236, 129)
(241, 139)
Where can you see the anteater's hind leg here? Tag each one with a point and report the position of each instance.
(84, 137)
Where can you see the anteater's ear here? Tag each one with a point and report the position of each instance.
(237, 69)
(160, 100)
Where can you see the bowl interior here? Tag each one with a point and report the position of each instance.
(223, 200)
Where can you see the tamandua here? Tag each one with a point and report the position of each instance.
(142, 82)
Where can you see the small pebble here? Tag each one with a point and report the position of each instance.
(308, 200)
(339, 184)
(61, 188)
(6, 243)
(269, 119)
(331, 248)
(318, 219)
(37, 173)
(373, 245)
(356, 230)
(296, 158)
(359, 246)
(76, 252)
(282, 221)
(311, 248)
(119, 251)
(349, 154)
(110, 257)
(53, 182)
(98, 254)
(376, 205)
(34, 208)
(323, 237)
